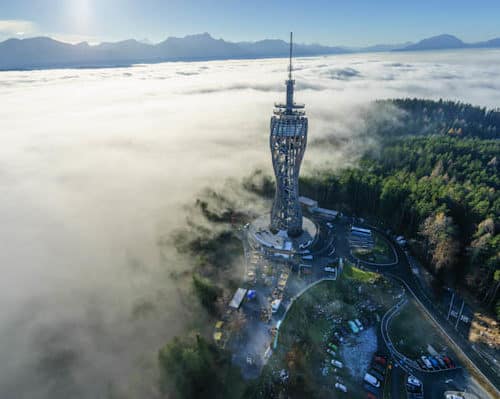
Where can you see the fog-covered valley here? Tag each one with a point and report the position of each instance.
(97, 165)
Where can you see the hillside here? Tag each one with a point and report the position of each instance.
(437, 181)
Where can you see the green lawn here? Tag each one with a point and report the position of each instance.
(382, 251)
(362, 276)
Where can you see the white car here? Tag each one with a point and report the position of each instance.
(427, 362)
(336, 363)
(370, 379)
(358, 323)
(412, 380)
(275, 305)
(340, 387)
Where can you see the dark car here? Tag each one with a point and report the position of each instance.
(421, 364)
(441, 362)
(380, 360)
(376, 374)
(378, 367)
(371, 389)
(412, 389)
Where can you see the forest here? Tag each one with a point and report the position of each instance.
(428, 117)
(436, 181)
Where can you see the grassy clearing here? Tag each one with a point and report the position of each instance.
(411, 331)
(310, 324)
(381, 252)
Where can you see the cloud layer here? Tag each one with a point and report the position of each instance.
(15, 27)
(95, 166)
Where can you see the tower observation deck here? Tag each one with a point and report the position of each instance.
(288, 141)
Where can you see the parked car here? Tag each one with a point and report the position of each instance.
(376, 374)
(370, 388)
(340, 387)
(434, 362)
(369, 395)
(413, 381)
(336, 363)
(378, 367)
(421, 364)
(358, 324)
(330, 352)
(428, 364)
(380, 360)
(371, 380)
(339, 337)
(441, 362)
(449, 362)
(354, 328)
(333, 346)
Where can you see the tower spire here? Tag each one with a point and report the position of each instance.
(290, 82)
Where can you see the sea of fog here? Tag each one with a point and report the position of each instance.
(97, 164)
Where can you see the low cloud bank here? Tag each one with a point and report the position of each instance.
(96, 165)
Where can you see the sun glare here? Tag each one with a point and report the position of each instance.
(79, 13)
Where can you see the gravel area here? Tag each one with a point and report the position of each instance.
(358, 351)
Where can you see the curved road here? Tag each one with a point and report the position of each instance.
(403, 273)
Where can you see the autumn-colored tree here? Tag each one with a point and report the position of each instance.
(443, 247)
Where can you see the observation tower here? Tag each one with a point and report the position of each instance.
(285, 231)
(288, 141)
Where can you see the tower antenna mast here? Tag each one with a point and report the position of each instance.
(290, 82)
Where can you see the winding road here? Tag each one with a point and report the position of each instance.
(402, 272)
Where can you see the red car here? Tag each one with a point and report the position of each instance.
(449, 362)
(380, 360)
(370, 396)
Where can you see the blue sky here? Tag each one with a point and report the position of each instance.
(348, 22)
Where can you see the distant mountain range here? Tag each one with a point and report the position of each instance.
(444, 42)
(44, 52)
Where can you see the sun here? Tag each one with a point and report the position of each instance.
(79, 13)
